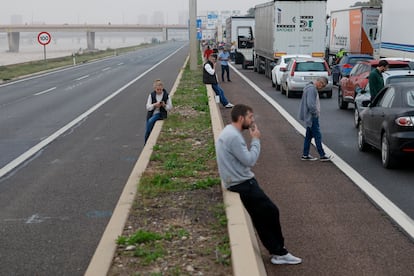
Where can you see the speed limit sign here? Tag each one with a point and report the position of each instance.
(44, 38)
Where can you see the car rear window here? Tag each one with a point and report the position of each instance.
(310, 66)
(397, 79)
(355, 60)
(410, 98)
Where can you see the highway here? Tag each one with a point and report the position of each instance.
(68, 141)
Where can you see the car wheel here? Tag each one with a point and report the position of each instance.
(277, 86)
(356, 118)
(341, 103)
(388, 160)
(362, 145)
(282, 90)
(329, 94)
(273, 84)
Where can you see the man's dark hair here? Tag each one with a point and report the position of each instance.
(214, 56)
(382, 63)
(239, 110)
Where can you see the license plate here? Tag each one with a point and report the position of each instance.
(310, 78)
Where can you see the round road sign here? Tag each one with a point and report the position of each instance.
(44, 38)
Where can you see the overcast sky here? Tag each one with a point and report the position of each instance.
(120, 11)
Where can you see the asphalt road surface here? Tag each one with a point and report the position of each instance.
(55, 202)
(326, 218)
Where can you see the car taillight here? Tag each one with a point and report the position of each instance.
(405, 121)
(292, 73)
(347, 66)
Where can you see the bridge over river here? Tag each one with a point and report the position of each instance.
(168, 32)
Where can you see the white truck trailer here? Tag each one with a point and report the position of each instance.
(354, 29)
(288, 27)
(396, 33)
(239, 30)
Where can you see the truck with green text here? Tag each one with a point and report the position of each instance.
(288, 27)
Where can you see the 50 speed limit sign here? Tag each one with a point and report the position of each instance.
(44, 38)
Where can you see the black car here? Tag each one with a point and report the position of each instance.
(388, 123)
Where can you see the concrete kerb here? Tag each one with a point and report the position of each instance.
(245, 252)
(104, 253)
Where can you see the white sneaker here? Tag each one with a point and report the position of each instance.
(285, 259)
(229, 105)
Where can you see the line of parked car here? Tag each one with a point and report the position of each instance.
(386, 122)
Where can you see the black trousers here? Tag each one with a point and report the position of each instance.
(264, 215)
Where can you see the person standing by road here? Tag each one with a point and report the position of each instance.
(207, 52)
(309, 111)
(158, 104)
(224, 58)
(375, 79)
(210, 77)
(235, 161)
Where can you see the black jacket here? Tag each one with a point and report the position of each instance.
(163, 112)
(207, 78)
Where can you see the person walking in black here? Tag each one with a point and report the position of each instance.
(235, 161)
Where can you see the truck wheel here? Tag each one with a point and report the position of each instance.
(341, 103)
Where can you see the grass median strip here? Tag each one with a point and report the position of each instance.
(179, 202)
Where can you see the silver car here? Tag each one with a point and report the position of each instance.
(281, 67)
(301, 71)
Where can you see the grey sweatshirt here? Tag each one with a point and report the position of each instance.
(234, 159)
(309, 105)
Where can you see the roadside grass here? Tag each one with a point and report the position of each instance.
(12, 71)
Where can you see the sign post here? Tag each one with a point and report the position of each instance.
(44, 38)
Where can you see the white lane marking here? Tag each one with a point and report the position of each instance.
(83, 77)
(45, 91)
(121, 63)
(106, 69)
(32, 151)
(401, 218)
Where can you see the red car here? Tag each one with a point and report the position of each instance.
(358, 77)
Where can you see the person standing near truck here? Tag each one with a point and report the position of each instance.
(375, 79)
(224, 58)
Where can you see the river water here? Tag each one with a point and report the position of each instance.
(67, 43)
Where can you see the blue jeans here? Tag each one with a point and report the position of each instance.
(225, 69)
(313, 132)
(150, 124)
(219, 91)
